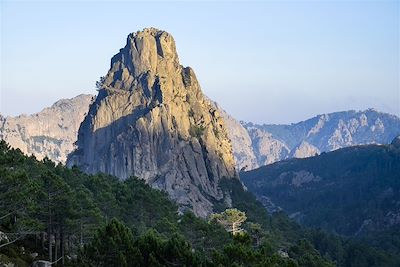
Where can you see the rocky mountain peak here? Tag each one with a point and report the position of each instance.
(147, 51)
(150, 119)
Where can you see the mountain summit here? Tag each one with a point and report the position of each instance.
(151, 120)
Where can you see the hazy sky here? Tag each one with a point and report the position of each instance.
(272, 62)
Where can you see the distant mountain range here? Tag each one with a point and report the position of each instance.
(351, 191)
(258, 145)
(51, 132)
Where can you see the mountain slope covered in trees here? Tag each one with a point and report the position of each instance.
(351, 191)
(112, 219)
(42, 200)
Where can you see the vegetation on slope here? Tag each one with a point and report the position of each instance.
(338, 191)
(71, 218)
(352, 191)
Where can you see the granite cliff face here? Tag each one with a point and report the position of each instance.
(270, 143)
(150, 119)
(51, 132)
(243, 151)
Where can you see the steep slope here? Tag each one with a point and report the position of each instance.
(353, 191)
(241, 142)
(151, 120)
(51, 132)
(322, 133)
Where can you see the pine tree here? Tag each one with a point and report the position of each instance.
(231, 219)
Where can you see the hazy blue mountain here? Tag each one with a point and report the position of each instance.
(327, 132)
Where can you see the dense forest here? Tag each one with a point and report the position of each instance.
(351, 191)
(49, 212)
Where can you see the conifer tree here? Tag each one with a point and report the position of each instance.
(231, 219)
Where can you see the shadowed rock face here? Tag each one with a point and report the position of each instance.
(50, 133)
(151, 120)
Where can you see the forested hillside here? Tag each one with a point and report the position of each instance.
(352, 191)
(49, 212)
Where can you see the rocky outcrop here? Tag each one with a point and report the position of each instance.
(150, 119)
(50, 133)
(267, 149)
(304, 150)
(241, 142)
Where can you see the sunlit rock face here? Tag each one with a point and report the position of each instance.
(304, 150)
(50, 133)
(243, 151)
(267, 148)
(151, 120)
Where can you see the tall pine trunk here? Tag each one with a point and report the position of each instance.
(43, 240)
(49, 230)
(55, 245)
(62, 246)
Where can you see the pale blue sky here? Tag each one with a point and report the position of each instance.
(272, 62)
